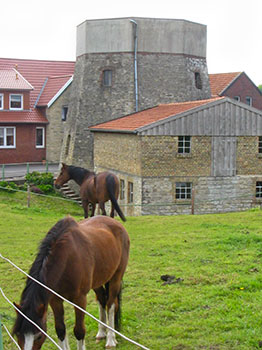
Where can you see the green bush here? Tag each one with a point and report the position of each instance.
(44, 181)
(9, 186)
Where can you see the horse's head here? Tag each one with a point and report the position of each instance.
(63, 177)
(28, 336)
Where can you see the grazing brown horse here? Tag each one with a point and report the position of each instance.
(94, 188)
(72, 259)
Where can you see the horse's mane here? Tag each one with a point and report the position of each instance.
(33, 294)
(79, 174)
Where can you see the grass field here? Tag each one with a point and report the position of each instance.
(215, 302)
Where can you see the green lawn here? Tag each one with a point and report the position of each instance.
(216, 303)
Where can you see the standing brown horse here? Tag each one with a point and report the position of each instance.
(72, 259)
(94, 188)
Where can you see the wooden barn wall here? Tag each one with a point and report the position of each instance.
(224, 119)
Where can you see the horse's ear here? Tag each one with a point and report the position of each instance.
(41, 310)
(64, 165)
(17, 306)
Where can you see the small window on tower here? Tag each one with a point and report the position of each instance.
(198, 81)
(107, 77)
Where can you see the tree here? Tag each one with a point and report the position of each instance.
(260, 87)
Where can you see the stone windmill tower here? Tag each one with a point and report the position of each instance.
(126, 65)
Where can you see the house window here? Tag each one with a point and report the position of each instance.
(7, 137)
(237, 98)
(64, 113)
(16, 102)
(260, 144)
(184, 144)
(183, 190)
(122, 189)
(249, 100)
(198, 81)
(130, 192)
(107, 77)
(259, 189)
(40, 137)
(1, 101)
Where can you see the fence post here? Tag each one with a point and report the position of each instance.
(1, 338)
(46, 167)
(3, 172)
(28, 196)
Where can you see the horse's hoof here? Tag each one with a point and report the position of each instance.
(98, 339)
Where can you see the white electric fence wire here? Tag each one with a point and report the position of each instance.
(7, 331)
(28, 319)
(78, 307)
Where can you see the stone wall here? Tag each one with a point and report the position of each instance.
(162, 78)
(56, 127)
(249, 161)
(161, 158)
(211, 195)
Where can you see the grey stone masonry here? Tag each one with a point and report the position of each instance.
(170, 65)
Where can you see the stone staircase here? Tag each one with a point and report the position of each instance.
(68, 193)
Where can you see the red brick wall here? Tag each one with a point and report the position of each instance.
(243, 87)
(26, 98)
(25, 150)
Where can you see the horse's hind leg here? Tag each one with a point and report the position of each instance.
(112, 213)
(101, 299)
(79, 329)
(102, 207)
(113, 306)
(85, 205)
(58, 310)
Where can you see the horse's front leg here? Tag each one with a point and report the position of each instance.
(58, 310)
(79, 329)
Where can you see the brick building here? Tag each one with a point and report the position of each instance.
(164, 156)
(237, 86)
(33, 95)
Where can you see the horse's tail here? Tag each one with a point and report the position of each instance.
(118, 311)
(111, 185)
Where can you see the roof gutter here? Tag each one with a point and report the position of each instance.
(135, 62)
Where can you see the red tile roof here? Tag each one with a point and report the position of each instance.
(52, 87)
(21, 117)
(137, 120)
(36, 72)
(11, 79)
(220, 81)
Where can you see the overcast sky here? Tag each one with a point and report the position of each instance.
(47, 29)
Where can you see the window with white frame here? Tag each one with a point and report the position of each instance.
(249, 100)
(40, 137)
(1, 101)
(183, 190)
(259, 189)
(130, 189)
(122, 189)
(15, 102)
(184, 144)
(7, 137)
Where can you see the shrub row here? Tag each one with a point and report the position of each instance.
(42, 181)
